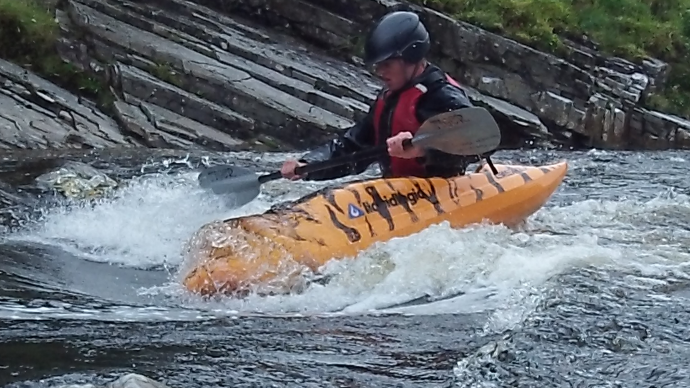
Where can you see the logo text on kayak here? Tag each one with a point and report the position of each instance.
(393, 200)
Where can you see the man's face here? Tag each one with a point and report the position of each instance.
(394, 72)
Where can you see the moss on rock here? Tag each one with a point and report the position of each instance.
(26, 30)
(28, 37)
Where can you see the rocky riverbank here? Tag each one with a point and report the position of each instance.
(187, 80)
(584, 99)
(184, 76)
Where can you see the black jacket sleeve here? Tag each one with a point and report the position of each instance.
(357, 138)
(444, 98)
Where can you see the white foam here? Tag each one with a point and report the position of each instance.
(147, 223)
(144, 224)
(494, 269)
(489, 264)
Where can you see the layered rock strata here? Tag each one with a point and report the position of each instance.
(186, 76)
(584, 99)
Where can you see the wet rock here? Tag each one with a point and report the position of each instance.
(520, 127)
(76, 180)
(204, 123)
(35, 113)
(655, 130)
(13, 205)
(206, 72)
(131, 380)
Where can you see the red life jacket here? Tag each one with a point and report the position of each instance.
(404, 120)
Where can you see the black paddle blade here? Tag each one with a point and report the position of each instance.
(240, 190)
(210, 175)
(467, 131)
(240, 184)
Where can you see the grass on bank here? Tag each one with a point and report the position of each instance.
(28, 36)
(631, 29)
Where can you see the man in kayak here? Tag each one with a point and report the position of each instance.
(415, 90)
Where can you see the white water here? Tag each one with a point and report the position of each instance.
(147, 224)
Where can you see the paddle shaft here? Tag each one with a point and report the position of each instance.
(465, 131)
(336, 162)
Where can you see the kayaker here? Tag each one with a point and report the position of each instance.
(414, 91)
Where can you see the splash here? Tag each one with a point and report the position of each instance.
(445, 270)
(483, 268)
(146, 223)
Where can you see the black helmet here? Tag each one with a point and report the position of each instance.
(399, 34)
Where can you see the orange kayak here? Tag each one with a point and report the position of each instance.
(272, 249)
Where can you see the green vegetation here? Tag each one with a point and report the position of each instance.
(28, 36)
(632, 29)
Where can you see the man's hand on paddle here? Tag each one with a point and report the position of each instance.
(395, 147)
(288, 169)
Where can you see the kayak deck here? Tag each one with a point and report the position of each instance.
(269, 249)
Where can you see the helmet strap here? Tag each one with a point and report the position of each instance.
(414, 72)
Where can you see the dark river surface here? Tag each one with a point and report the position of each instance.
(593, 293)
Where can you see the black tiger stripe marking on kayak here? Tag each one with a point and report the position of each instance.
(297, 237)
(403, 201)
(525, 177)
(330, 197)
(494, 183)
(358, 198)
(508, 171)
(351, 233)
(381, 206)
(453, 191)
(478, 192)
(306, 215)
(431, 196)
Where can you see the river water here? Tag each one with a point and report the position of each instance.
(594, 292)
